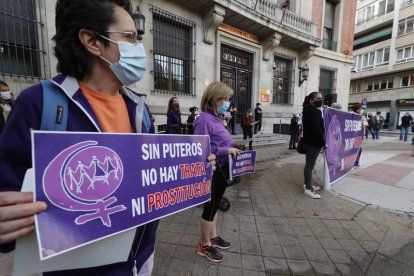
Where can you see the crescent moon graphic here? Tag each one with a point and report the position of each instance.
(55, 192)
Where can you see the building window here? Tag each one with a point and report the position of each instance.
(327, 82)
(379, 85)
(282, 81)
(372, 59)
(355, 88)
(173, 53)
(374, 11)
(405, 3)
(328, 28)
(407, 81)
(19, 46)
(406, 25)
(405, 54)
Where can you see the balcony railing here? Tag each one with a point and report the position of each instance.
(274, 12)
(329, 44)
(361, 22)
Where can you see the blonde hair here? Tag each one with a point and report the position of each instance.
(214, 92)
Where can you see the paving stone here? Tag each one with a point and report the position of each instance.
(180, 267)
(340, 233)
(302, 230)
(268, 238)
(249, 236)
(369, 246)
(187, 253)
(349, 270)
(293, 252)
(316, 254)
(246, 272)
(250, 248)
(276, 266)
(377, 235)
(204, 269)
(250, 227)
(369, 226)
(229, 224)
(298, 267)
(360, 235)
(247, 219)
(229, 234)
(228, 271)
(276, 212)
(385, 266)
(308, 241)
(271, 250)
(350, 245)
(280, 221)
(283, 229)
(235, 246)
(231, 259)
(251, 262)
(189, 240)
(288, 240)
(265, 228)
(339, 256)
(331, 223)
(362, 259)
(329, 243)
(322, 232)
(348, 224)
(324, 268)
(314, 222)
(297, 221)
(161, 265)
(263, 219)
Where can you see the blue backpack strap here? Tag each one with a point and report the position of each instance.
(55, 107)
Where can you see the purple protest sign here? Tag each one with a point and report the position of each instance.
(100, 184)
(244, 163)
(344, 134)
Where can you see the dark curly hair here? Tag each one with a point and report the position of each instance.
(71, 17)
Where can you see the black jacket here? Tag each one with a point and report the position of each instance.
(313, 127)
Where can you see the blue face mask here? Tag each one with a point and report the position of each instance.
(132, 63)
(224, 107)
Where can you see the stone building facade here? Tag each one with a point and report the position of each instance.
(261, 48)
(383, 77)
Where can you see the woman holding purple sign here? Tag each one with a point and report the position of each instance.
(215, 101)
(313, 138)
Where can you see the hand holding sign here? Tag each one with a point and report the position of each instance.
(17, 211)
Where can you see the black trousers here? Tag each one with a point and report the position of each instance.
(218, 186)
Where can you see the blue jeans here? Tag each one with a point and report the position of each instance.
(375, 133)
(404, 131)
(293, 139)
(311, 156)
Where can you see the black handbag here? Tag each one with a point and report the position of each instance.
(301, 148)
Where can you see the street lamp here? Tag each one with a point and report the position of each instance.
(303, 74)
(139, 21)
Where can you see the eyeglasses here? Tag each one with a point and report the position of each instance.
(131, 37)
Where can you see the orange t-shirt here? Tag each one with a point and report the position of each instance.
(111, 111)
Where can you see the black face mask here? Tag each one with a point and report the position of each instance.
(318, 103)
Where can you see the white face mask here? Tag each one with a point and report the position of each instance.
(132, 63)
(5, 95)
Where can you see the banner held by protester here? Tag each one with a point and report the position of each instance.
(344, 134)
(100, 184)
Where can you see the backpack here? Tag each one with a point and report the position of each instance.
(53, 119)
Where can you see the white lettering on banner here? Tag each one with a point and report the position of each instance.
(138, 206)
(168, 173)
(150, 151)
(353, 125)
(173, 150)
(149, 177)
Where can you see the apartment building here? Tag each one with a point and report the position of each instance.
(383, 67)
(269, 51)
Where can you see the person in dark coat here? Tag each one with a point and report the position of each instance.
(258, 118)
(294, 131)
(313, 138)
(247, 124)
(174, 125)
(406, 122)
(190, 119)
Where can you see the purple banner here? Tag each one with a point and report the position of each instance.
(97, 185)
(344, 134)
(244, 163)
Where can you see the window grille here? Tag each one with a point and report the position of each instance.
(173, 52)
(327, 82)
(20, 54)
(282, 81)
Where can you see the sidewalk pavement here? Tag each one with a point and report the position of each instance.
(275, 230)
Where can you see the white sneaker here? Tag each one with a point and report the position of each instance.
(312, 194)
(315, 188)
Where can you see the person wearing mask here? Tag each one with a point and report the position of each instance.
(232, 123)
(98, 56)
(190, 119)
(406, 122)
(215, 101)
(247, 125)
(313, 138)
(371, 124)
(378, 124)
(294, 131)
(174, 125)
(258, 118)
(6, 103)
(357, 109)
